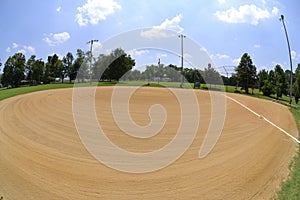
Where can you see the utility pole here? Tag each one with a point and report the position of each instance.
(91, 61)
(181, 36)
(289, 49)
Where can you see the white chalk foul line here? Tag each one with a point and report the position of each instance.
(260, 116)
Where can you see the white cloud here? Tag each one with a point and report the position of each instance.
(161, 30)
(23, 50)
(256, 46)
(221, 2)
(236, 61)
(172, 24)
(220, 56)
(14, 45)
(96, 10)
(29, 49)
(58, 9)
(294, 54)
(275, 11)
(203, 49)
(57, 38)
(135, 52)
(245, 14)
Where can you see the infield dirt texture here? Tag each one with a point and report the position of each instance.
(42, 157)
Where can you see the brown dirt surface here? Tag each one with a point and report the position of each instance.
(42, 156)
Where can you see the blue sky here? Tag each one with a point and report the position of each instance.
(225, 29)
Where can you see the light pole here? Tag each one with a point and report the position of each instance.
(158, 71)
(91, 42)
(181, 36)
(289, 49)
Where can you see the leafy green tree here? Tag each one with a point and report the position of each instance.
(173, 72)
(211, 76)
(28, 68)
(296, 85)
(13, 71)
(262, 78)
(68, 65)
(60, 71)
(246, 73)
(51, 71)
(268, 87)
(191, 75)
(37, 71)
(113, 66)
(280, 82)
(121, 64)
(47, 75)
(79, 67)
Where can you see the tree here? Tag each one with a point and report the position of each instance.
(262, 78)
(268, 87)
(113, 66)
(68, 66)
(59, 70)
(37, 71)
(211, 76)
(246, 73)
(280, 82)
(296, 85)
(28, 68)
(13, 71)
(79, 64)
(121, 63)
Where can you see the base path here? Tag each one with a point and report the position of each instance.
(42, 156)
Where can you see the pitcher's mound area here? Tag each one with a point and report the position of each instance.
(42, 157)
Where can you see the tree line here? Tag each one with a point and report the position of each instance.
(118, 66)
(18, 70)
(274, 82)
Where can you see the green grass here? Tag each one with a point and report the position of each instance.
(290, 189)
(6, 93)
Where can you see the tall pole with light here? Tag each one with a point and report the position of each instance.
(91, 61)
(289, 49)
(181, 36)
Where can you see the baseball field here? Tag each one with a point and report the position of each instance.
(42, 156)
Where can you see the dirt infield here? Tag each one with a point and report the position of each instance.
(42, 157)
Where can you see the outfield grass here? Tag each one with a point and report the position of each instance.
(6, 93)
(290, 189)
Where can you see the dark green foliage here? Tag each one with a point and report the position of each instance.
(13, 72)
(280, 82)
(68, 66)
(274, 82)
(211, 76)
(262, 78)
(112, 66)
(296, 85)
(246, 73)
